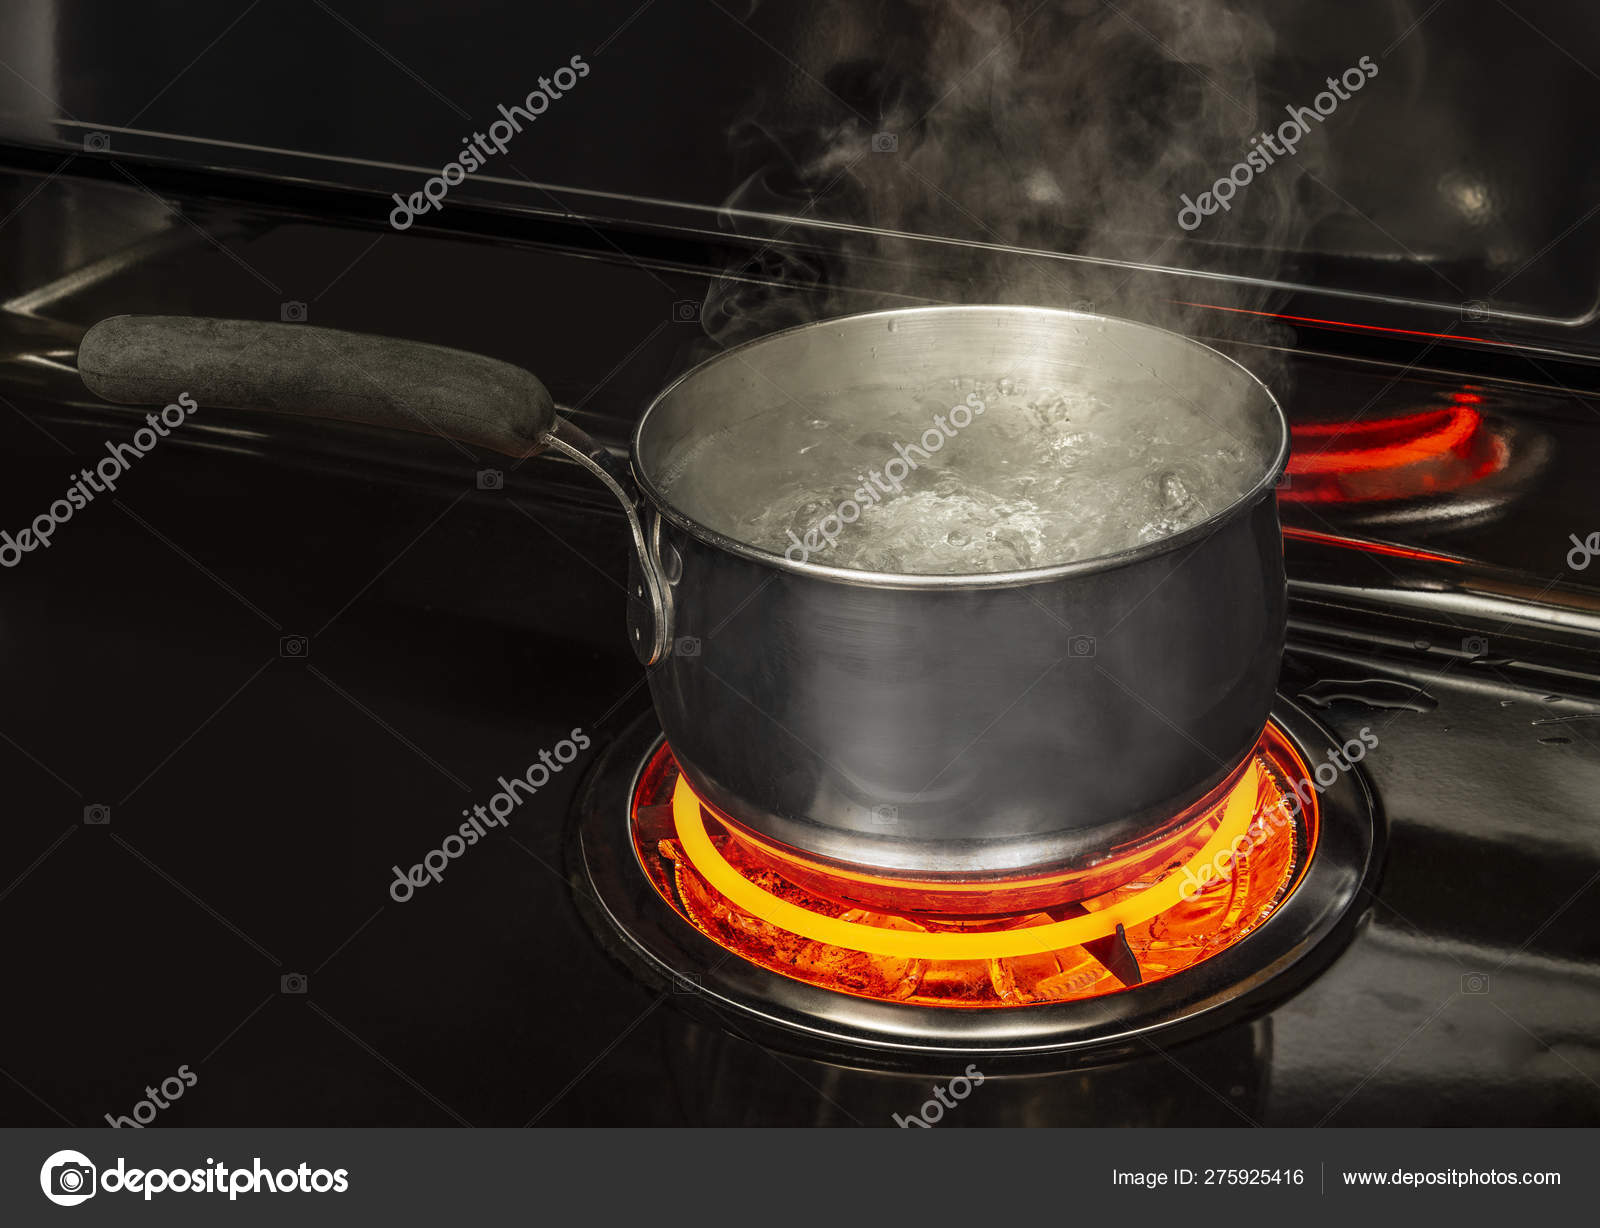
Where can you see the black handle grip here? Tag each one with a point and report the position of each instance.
(318, 372)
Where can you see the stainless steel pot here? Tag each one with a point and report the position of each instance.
(922, 727)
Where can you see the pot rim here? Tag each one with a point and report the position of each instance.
(975, 580)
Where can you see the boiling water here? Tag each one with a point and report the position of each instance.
(905, 482)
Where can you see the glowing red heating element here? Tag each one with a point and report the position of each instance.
(1239, 858)
(1431, 452)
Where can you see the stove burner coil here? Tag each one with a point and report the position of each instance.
(1257, 884)
(998, 943)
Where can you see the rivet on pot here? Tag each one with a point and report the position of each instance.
(671, 563)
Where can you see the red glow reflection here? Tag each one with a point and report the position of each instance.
(1368, 547)
(1350, 324)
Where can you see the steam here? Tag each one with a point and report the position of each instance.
(1040, 151)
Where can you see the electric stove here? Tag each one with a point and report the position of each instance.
(252, 691)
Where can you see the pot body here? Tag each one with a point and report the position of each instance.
(959, 726)
(971, 732)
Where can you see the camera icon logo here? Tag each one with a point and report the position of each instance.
(293, 312)
(1081, 646)
(68, 1178)
(96, 142)
(1475, 982)
(293, 982)
(885, 142)
(886, 814)
(294, 647)
(1285, 482)
(491, 479)
(686, 646)
(1475, 646)
(685, 311)
(97, 814)
(1475, 311)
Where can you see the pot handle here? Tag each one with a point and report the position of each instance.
(379, 381)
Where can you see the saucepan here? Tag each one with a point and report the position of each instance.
(1021, 719)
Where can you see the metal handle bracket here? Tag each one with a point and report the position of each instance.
(649, 593)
